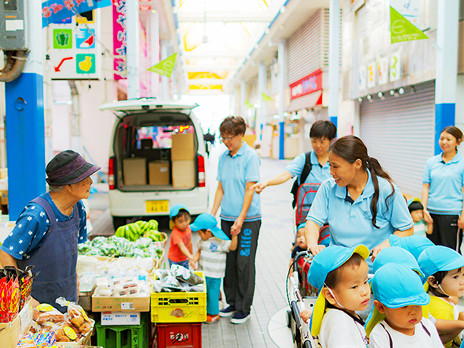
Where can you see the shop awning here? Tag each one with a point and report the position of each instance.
(305, 102)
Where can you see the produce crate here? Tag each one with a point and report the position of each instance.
(179, 307)
(123, 336)
(185, 335)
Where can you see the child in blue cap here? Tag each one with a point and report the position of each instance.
(212, 251)
(180, 246)
(414, 244)
(444, 270)
(340, 274)
(397, 319)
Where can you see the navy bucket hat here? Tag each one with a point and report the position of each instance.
(68, 167)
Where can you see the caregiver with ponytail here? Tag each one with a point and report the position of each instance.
(360, 201)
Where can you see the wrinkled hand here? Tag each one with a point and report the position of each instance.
(461, 222)
(376, 250)
(236, 227)
(315, 249)
(258, 187)
(428, 219)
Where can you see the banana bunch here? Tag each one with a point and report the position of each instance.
(154, 235)
(135, 230)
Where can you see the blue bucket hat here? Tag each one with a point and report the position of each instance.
(174, 211)
(323, 263)
(414, 244)
(207, 221)
(398, 256)
(300, 226)
(395, 286)
(439, 258)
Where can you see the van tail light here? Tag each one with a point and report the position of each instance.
(111, 173)
(201, 171)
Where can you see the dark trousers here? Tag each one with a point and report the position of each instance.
(239, 280)
(445, 230)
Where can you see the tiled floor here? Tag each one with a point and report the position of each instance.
(276, 236)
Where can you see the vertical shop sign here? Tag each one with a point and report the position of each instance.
(371, 75)
(395, 67)
(382, 70)
(119, 39)
(362, 78)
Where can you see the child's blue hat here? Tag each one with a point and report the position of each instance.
(414, 244)
(439, 258)
(396, 255)
(395, 286)
(174, 211)
(300, 226)
(323, 263)
(207, 221)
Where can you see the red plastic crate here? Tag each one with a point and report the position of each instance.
(185, 335)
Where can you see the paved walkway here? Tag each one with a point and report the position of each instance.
(272, 261)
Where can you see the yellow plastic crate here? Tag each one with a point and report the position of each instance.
(179, 307)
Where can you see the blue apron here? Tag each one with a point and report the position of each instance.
(56, 259)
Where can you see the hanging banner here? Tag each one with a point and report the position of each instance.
(403, 30)
(59, 11)
(119, 39)
(266, 98)
(166, 66)
(249, 105)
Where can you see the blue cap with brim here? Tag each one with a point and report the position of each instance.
(414, 244)
(395, 286)
(396, 255)
(174, 211)
(439, 258)
(300, 226)
(323, 263)
(207, 221)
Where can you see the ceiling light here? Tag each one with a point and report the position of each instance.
(369, 97)
(360, 99)
(401, 90)
(380, 95)
(392, 92)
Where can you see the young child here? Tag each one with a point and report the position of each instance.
(414, 244)
(300, 244)
(397, 316)
(341, 276)
(444, 271)
(416, 209)
(212, 249)
(180, 247)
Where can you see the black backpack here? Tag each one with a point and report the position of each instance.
(301, 179)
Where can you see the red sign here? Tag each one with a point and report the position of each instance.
(306, 85)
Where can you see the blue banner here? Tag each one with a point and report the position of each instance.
(57, 11)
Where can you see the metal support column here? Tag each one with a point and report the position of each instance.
(261, 90)
(447, 57)
(334, 59)
(132, 31)
(24, 122)
(281, 88)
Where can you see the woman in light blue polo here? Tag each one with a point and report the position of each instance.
(238, 170)
(442, 189)
(360, 201)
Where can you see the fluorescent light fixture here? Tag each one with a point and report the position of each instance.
(401, 90)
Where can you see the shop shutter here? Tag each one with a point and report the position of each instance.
(399, 132)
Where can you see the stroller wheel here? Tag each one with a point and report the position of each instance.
(289, 319)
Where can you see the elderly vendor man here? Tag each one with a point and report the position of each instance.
(50, 227)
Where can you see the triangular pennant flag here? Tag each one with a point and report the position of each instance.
(249, 105)
(166, 66)
(266, 97)
(403, 30)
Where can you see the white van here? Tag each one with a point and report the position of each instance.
(156, 160)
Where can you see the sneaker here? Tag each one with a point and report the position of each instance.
(240, 318)
(227, 312)
(212, 318)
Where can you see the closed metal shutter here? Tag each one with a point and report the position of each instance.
(399, 132)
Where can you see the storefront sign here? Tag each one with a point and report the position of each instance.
(371, 68)
(59, 11)
(382, 70)
(362, 77)
(306, 85)
(395, 67)
(119, 39)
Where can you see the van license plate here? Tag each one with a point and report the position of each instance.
(157, 206)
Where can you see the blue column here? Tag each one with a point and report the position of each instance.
(447, 56)
(281, 88)
(334, 59)
(24, 122)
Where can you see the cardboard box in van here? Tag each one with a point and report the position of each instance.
(135, 172)
(183, 174)
(182, 147)
(158, 173)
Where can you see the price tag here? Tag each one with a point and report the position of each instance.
(25, 317)
(127, 305)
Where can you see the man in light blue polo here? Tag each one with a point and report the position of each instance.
(238, 170)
